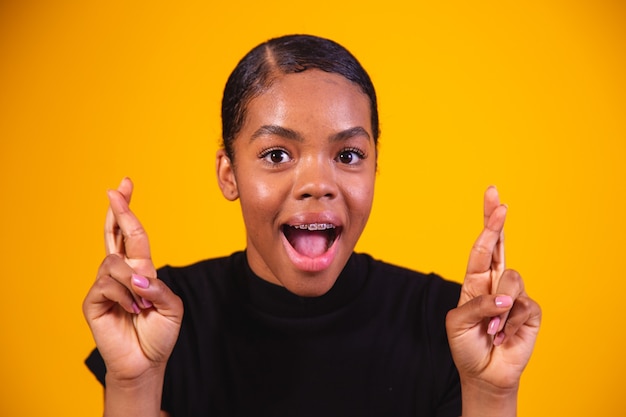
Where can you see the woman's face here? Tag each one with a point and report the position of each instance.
(304, 171)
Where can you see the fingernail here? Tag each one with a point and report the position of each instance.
(135, 308)
(504, 301)
(499, 339)
(493, 326)
(146, 303)
(140, 281)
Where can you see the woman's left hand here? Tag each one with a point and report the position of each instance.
(492, 331)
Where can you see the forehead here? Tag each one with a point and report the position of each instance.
(311, 96)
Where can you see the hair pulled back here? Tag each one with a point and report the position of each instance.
(285, 55)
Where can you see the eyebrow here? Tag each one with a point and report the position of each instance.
(293, 135)
(277, 131)
(350, 133)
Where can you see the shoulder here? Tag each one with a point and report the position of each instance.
(431, 291)
(213, 265)
(385, 273)
(209, 274)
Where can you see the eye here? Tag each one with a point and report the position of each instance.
(275, 156)
(350, 156)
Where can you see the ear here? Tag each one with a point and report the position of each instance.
(226, 176)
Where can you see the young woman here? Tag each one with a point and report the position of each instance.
(298, 324)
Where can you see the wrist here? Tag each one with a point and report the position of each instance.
(128, 379)
(139, 396)
(482, 399)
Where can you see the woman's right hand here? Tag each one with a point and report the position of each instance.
(134, 317)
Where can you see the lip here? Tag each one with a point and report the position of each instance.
(318, 263)
(311, 218)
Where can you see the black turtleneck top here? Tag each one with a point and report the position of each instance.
(374, 345)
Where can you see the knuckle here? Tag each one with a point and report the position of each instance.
(159, 290)
(510, 327)
(109, 261)
(512, 277)
(136, 232)
(525, 304)
(481, 248)
(162, 293)
(102, 282)
(481, 301)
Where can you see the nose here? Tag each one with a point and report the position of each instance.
(315, 178)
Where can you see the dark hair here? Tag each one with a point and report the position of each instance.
(285, 55)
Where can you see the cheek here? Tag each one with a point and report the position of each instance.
(360, 198)
(257, 192)
(259, 198)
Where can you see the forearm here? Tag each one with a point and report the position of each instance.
(480, 400)
(137, 398)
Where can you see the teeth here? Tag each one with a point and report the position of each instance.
(315, 226)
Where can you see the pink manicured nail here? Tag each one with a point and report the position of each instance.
(135, 308)
(493, 326)
(499, 339)
(141, 282)
(504, 301)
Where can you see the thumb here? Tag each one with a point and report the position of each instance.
(475, 311)
(156, 294)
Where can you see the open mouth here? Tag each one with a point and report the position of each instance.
(311, 240)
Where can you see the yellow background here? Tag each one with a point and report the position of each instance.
(530, 96)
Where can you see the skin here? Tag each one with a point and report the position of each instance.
(316, 126)
(493, 330)
(134, 317)
(304, 155)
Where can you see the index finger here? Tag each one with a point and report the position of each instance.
(136, 244)
(113, 238)
(491, 203)
(483, 251)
